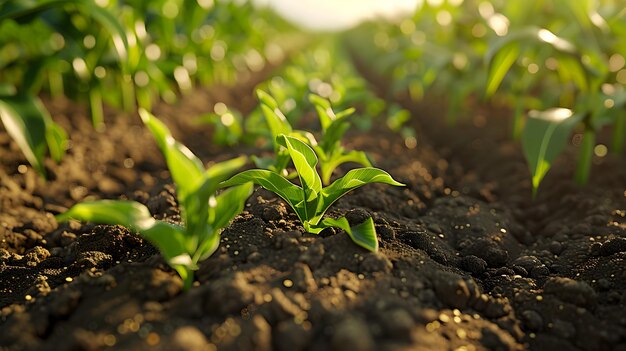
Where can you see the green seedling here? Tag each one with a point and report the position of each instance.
(329, 150)
(28, 122)
(227, 123)
(544, 137)
(204, 211)
(310, 200)
(278, 125)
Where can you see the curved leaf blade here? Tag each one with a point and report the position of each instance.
(352, 180)
(304, 159)
(168, 238)
(544, 137)
(329, 166)
(130, 214)
(273, 182)
(363, 234)
(186, 169)
(500, 65)
(229, 204)
(25, 120)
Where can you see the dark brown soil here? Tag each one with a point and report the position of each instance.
(467, 260)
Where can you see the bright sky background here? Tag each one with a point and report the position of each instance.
(338, 14)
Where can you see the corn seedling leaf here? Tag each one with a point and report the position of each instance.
(544, 137)
(324, 110)
(222, 209)
(129, 214)
(273, 182)
(363, 234)
(329, 166)
(228, 204)
(275, 119)
(185, 168)
(352, 180)
(266, 99)
(500, 65)
(29, 124)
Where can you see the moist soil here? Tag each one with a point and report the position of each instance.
(467, 260)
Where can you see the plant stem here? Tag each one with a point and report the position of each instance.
(518, 121)
(128, 93)
(585, 156)
(188, 281)
(55, 80)
(97, 113)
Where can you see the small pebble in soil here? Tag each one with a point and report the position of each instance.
(475, 265)
(527, 262)
(532, 320)
(595, 249)
(613, 246)
(488, 250)
(556, 247)
(451, 289)
(572, 291)
(604, 284)
(539, 272)
(375, 262)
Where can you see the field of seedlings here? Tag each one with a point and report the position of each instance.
(211, 175)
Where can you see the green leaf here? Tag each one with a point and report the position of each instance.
(130, 214)
(500, 65)
(273, 182)
(545, 135)
(228, 204)
(186, 169)
(275, 119)
(168, 238)
(27, 121)
(363, 234)
(266, 99)
(572, 69)
(328, 166)
(222, 209)
(345, 113)
(324, 110)
(352, 180)
(332, 136)
(26, 9)
(305, 160)
(56, 138)
(196, 205)
(112, 25)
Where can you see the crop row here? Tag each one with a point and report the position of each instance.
(558, 65)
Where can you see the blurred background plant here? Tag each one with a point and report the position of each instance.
(532, 58)
(553, 64)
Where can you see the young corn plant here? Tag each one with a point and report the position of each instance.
(28, 122)
(310, 200)
(278, 125)
(330, 151)
(204, 211)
